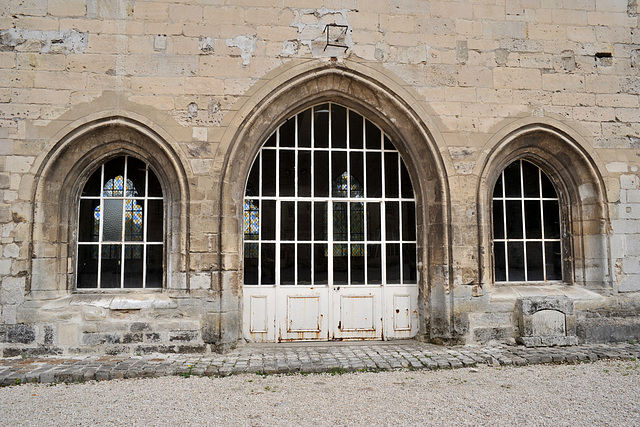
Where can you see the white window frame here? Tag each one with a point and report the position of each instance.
(330, 204)
(543, 239)
(100, 243)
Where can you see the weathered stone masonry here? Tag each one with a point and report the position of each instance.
(195, 87)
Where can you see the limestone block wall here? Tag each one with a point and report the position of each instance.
(186, 75)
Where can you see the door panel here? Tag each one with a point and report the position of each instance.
(401, 311)
(357, 312)
(259, 313)
(302, 313)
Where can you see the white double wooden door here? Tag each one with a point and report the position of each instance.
(320, 313)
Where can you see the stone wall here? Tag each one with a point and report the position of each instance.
(473, 78)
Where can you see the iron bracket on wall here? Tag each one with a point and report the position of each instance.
(335, 33)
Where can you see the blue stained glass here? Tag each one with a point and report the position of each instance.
(357, 250)
(341, 185)
(133, 221)
(251, 220)
(115, 188)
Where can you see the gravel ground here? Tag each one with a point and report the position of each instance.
(601, 393)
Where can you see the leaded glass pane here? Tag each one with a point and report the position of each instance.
(391, 186)
(268, 263)
(133, 220)
(304, 264)
(133, 266)
(94, 184)
(338, 126)
(321, 126)
(251, 219)
(304, 221)
(288, 133)
(320, 264)
(374, 264)
(288, 264)
(357, 221)
(88, 266)
(304, 174)
(253, 183)
(114, 178)
(340, 264)
(393, 263)
(155, 223)
(355, 130)
(409, 272)
(89, 228)
(288, 221)
(136, 177)
(304, 129)
(287, 173)
(155, 266)
(112, 220)
(251, 263)
(340, 231)
(111, 260)
(373, 136)
(357, 264)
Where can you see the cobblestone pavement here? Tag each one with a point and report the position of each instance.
(299, 357)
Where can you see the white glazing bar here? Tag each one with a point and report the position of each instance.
(145, 217)
(123, 213)
(400, 211)
(504, 227)
(100, 227)
(542, 231)
(278, 225)
(260, 216)
(524, 228)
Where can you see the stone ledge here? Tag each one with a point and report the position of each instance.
(513, 293)
(133, 301)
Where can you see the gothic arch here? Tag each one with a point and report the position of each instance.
(60, 179)
(582, 196)
(416, 143)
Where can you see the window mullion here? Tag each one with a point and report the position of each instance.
(400, 237)
(278, 213)
(524, 226)
(542, 230)
(100, 229)
(260, 217)
(349, 207)
(145, 218)
(504, 227)
(296, 172)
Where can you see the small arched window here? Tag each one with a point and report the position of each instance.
(120, 227)
(527, 234)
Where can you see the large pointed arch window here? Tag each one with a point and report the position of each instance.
(120, 227)
(329, 201)
(527, 241)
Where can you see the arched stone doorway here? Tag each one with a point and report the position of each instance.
(396, 119)
(329, 233)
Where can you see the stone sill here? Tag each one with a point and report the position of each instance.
(512, 293)
(132, 301)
